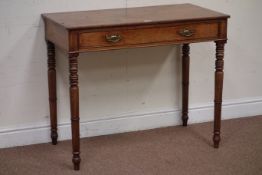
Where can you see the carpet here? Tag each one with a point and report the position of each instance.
(166, 151)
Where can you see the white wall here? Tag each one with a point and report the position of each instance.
(123, 90)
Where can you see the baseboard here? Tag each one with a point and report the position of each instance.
(28, 135)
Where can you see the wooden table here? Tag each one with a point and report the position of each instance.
(85, 31)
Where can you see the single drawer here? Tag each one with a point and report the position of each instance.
(148, 36)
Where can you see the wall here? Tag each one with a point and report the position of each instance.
(124, 90)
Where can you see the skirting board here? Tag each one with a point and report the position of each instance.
(198, 114)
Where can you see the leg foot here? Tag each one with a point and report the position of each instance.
(216, 140)
(54, 137)
(185, 119)
(76, 160)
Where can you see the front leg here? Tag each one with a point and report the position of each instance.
(74, 106)
(219, 76)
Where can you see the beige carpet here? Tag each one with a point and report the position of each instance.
(166, 151)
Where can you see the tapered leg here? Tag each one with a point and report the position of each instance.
(52, 90)
(185, 82)
(219, 76)
(74, 106)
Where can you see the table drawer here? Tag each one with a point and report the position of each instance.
(147, 36)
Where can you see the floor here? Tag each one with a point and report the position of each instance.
(165, 151)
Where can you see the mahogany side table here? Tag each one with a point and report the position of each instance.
(85, 31)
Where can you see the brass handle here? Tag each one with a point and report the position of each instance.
(186, 32)
(113, 38)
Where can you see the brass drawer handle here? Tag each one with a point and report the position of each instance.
(113, 38)
(186, 32)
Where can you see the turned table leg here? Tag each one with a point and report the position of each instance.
(219, 76)
(185, 82)
(74, 106)
(52, 90)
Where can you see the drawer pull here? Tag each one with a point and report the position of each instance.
(186, 32)
(113, 38)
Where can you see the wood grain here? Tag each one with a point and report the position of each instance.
(52, 90)
(139, 27)
(133, 16)
(147, 36)
(74, 107)
(185, 82)
(219, 76)
(56, 34)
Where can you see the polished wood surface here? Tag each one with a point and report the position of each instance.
(133, 16)
(52, 90)
(140, 27)
(76, 32)
(74, 106)
(219, 76)
(143, 37)
(185, 82)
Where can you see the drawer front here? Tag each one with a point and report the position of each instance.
(147, 36)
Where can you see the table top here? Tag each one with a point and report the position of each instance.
(132, 16)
